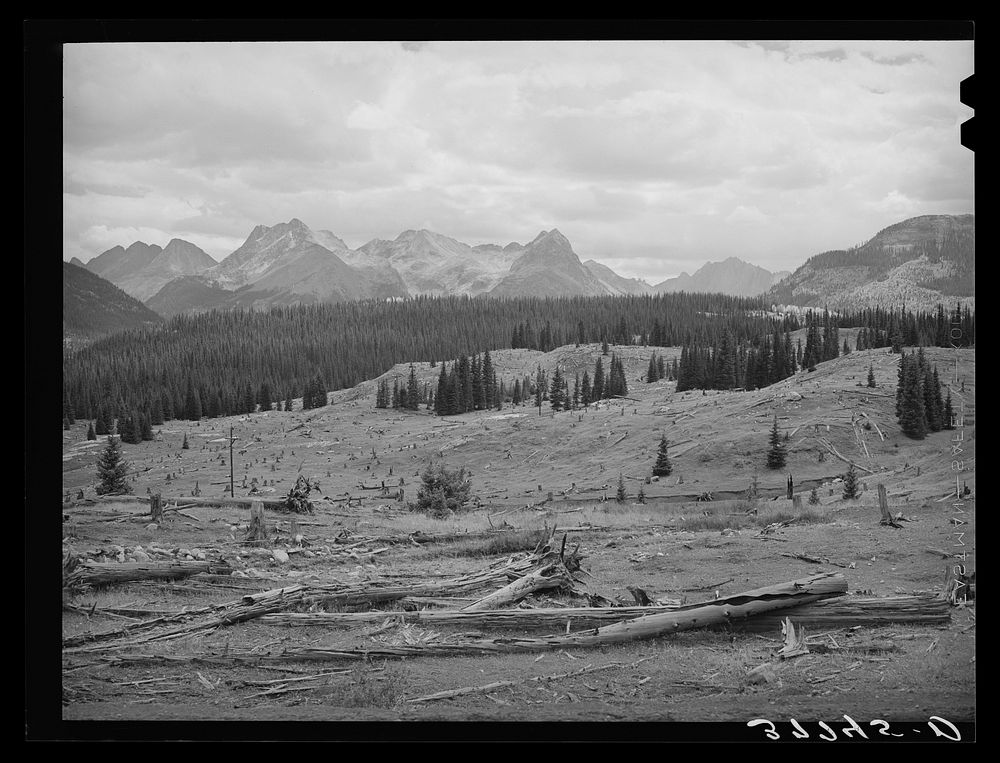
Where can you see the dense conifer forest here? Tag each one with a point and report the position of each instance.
(232, 362)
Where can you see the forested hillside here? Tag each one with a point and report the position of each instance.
(228, 362)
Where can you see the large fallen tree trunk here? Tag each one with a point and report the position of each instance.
(726, 610)
(848, 612)
(520, 619)
(94, 574)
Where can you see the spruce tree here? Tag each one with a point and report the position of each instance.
(851, 490)
(911, 411)
(621, 495)
(871, 376)
(184, 445)
(651, 373)
(776, 454)
(662, 467)
(112, 468)
(556, 399)
(92, 435)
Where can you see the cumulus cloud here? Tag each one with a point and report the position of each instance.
(654, 155)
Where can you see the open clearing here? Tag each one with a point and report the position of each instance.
(528, 473)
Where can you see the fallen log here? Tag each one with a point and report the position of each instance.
(96, 574)
(551, 575)
(548, 617)
(836, 454)
(847, 612)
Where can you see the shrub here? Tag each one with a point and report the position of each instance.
(443, 491)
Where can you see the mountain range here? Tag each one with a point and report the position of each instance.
(921, 261)
(289, 263)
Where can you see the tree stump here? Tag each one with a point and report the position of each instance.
(883, 505)
(156, 507)
(258, 526)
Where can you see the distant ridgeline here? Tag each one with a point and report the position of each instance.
(230, 362)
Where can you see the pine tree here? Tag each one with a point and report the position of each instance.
(662, 467)
(184, 445)
(112, 468)
(651, 373)
(586, 392)
(92, 435)
(621, 495)
(910, 406)
(776, 454)
(556, 399)
(851, 483)
(871, 375)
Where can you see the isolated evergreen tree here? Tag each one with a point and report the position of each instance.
(776, 455)
(604, 347)
(871, 376)
(662, 467)
(112, 468)
(586, 392)
(319, 390)
(556, 399)
(851, 489)
(621, 495)
(92, 435)
(576, 392)
(184, 445)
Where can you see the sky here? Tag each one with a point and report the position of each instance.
(652, 157)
